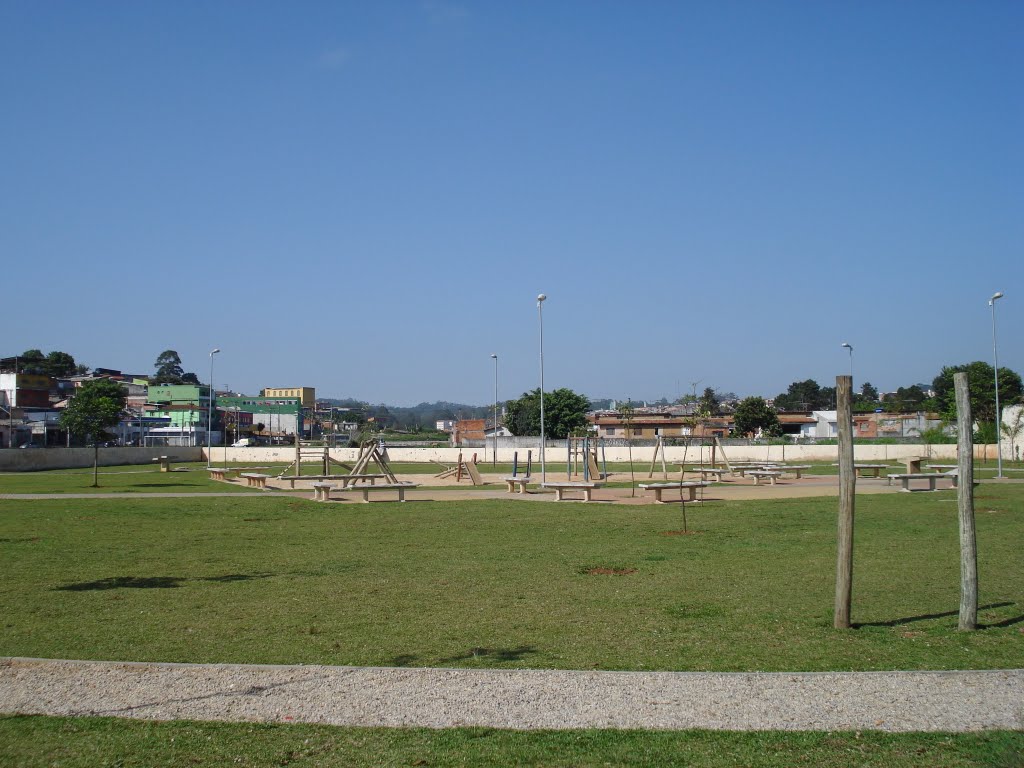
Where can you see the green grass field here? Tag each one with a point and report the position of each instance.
(492, 583)
(29, 742)
(496, 583)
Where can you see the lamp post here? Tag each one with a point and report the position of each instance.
(209, 414)
(540, 316)
(494, 455)
(846, 345)
(995, 360)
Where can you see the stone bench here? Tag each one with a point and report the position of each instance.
(255, 479)
(867, 470)
(343, 479)
(561, 489)
(218, 474)
(512, 482)
(931, 477)
(366, 490)
(322, 491)
(714, 472)
(796, 469)
(165, 463)
(660, 488)
(771, 475)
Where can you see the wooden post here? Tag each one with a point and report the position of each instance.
(965, 504)
(847, 488)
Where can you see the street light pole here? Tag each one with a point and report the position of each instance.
(494, 455)
(540, 316)
(846, 345)
(209, 414)
(995, 359)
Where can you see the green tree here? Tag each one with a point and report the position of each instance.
(168, 368)
(753, 414)
(97, 405)
(59, 365)
(981, 381)
(805, 395)
(31, 361)
(906, 400)
(708, 405)
(564, 411)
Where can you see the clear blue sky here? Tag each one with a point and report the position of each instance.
(367, 197)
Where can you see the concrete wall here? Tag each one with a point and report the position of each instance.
(30, 460)
(27, 460)
(557, 453)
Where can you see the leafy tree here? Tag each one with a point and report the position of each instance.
(97, 405)
(189, 378)
(981, 380)
(59, 365)
(869, 392)
(564, 411)
(168, 368)
(806, 395)
(753, 414)
(708, 404)
(31, 361)
(906, 400)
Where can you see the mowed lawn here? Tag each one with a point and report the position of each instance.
(507, 584)
(98, 741)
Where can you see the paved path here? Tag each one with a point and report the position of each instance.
(520, 699)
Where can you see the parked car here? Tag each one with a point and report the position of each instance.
(245, 442)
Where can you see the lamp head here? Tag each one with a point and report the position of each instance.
(996, 295)
(846, 345)
(541, 298)
(214, 351)
(495, 357)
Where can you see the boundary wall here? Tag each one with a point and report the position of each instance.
(556, 453)
(34, 459)
(29, 460)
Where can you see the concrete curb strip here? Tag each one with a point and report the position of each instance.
(518, 699)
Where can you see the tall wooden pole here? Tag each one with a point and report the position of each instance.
(965, 504)
(847, 488)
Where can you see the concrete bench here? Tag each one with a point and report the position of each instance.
(561, 489)
(512, 482)
(770, 475)
(366, 490)
(931, 477)
(165, 463)
(713, 472)
(660, 488)
(347, 480)
(255, 479)
(796, 469)
(867, 470)
(344, 479)
(218, 474)
(322, 491)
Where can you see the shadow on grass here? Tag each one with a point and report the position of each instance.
(494, 654)
(943, 615)
(154, 582)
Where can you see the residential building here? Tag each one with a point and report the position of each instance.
(306, 395)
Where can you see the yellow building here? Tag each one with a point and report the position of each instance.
(306, 395)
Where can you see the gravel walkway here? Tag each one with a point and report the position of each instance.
(519, 699)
